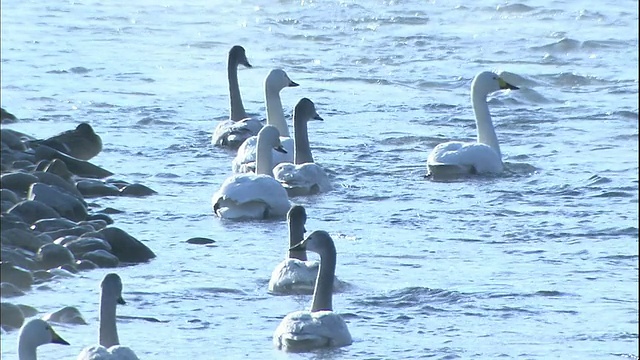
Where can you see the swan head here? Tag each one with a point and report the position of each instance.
(297, 215)
(306, 110)
(277, 79)
(269, 134)
(112, 286)
(38, 332)
(238, 55)
(319, 241)
(487, 82)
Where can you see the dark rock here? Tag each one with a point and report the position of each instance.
(126, 247)
(58, 167)
(53, 255)
(15, 275)
(96, 224)
(24, 239)
(23, 164)
(76, 230)
(18, 182)
(136, 190)
(94, 188)
(7, 117)
(64, 240)
(200, 241)
(55, 180)
(8, 290)
(81, 246)
(66, 315)
(65, 204)
(40, 276)
(31, 211)
(45, 225)
(85, 264)
(76, 166)
(11, 316)
(12, 140)
(27, 310)
(19, 257)
(12, 221)
(8, 195)
(69, 267)
(102, 258)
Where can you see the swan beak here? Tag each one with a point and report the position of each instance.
(121, 301)
(505, 85)
(280, 149)
(298, 246)
(246, 64)
(293, 84)
(317, 117)
(56, 339)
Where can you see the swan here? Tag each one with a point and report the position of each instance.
(455, 158)
(303, 177)
(320, 327)
(109, 347)
(296, 274)
(234, 131)
(276, 80)
(254, 196)
(34, 333)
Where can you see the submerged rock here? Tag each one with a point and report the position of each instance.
(126, 247)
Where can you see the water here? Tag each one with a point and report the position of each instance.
(538, 263)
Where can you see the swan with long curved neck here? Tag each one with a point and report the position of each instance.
(34, 333)
(254, 196)
(455, 158)
(320, 327)
(295, 274)
(304, 176)
(276, 80)
(234, 131)
(109, 344)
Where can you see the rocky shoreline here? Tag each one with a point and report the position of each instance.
(47, 228)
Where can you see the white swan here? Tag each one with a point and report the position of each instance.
(254, 196)
(455, 158)
(303, 177)
(320, 327)
(296, 274)
(109, 347)
(244, 161)
(34, 333)
(233, 132)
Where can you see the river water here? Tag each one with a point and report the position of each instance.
(540, 262)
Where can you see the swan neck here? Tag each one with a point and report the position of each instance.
(108, 331)
(301, 150)
(296, 235)
(264, 161)
(26, 350)
(484, 125)
(323, 292)
(275, 114)
(235, 100)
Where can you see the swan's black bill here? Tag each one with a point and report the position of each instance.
(56, 339)
(280, 149)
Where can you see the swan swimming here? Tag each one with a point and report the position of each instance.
(455, 158)
(34, 333)
(234, 131)
(276, 80)
(304, 176)
(109, 347)
(295, 274)
(320, 327)
(254, 196)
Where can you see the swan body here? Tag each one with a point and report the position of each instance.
(254, 196)
(455, 158)
(232, 132)
(303, 176)
(34, 333)
(276, 80)
(320, 327)
(109, 347)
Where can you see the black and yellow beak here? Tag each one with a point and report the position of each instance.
(56, 339)
(505, 85)
(317, 117)
(121, 301)
(280, 149)
(293, 84)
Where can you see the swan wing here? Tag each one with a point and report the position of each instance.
(293, 276)
(250, 196)
(95, 352)
(302, 179)
(460, 158)
(303, 331)
(232, 134)
(245, 160)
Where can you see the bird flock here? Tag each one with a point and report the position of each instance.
(269, 168)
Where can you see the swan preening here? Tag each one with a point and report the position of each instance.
(303, 176)
(455, 158)
(254, 196)
(276, 80)
(109, 345)
(320, 327)
(34, 333)
(234, 131)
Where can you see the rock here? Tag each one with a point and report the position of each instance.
(136, 190)
(19, 257)
(58, 167)
(55, 180)
(11, 316)
(8, 290)
(126, 247)
(96, 224)
(95, 188)
(102, 258)
(27, 310)
(76, 166)
(8, 195)
(81, 246)
(200, 241)
(31, 211)
(23, 165)
(59, 272)
(18, 182)
(66, 205)
(7, 117)
(45, 225)
(66, 315)
(12, 221)
(106, 218)
(15, 275)
(23, 239)
(40, 276)
(85, 264)
(63, 240)
(53, 255)
(76, 230)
